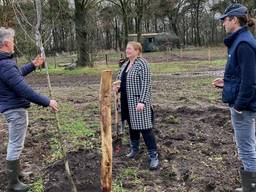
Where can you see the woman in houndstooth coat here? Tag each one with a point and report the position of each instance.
(135, 88)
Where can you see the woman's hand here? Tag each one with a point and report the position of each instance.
(116, 86)
(140, 107)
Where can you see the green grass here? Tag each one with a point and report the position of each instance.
(37, 186)
(78, 128)
(185, 66)
(129, 174)
(161, 67)
(74, 130)
(169, 67)
(201, 87)
(82, 70)
(118, 187)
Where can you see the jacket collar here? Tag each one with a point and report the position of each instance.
(229, 40)
(4, 55)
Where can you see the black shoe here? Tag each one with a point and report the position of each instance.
(14, 184)
(153, 160)
(248, 181)
(134, 149)
(132, 154)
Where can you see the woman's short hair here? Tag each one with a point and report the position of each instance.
(136, 45)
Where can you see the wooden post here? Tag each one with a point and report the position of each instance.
(55, 63)
(106, 131)
(106, 58)
(209, 55)
(167, 54)
(90, 57)
(181, 54)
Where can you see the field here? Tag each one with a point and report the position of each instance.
(193, 129)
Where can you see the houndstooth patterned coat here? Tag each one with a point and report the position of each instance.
(138, 87)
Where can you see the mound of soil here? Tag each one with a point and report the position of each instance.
(85, 168)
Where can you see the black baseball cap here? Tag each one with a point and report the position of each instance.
(234, 10)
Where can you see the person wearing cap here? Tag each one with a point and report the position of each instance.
(15, 98)
(239, 89)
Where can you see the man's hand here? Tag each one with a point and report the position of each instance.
(38, 61)
(219, 83)
(53, 104)
(140, 107)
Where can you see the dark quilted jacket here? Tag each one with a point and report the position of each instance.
(14, 91)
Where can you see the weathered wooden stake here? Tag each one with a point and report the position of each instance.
(106, 58)
(181, 53)
(55, 63)
(209, 55)
(106, 130)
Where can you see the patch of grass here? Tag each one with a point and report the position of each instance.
(94, 108)
(55, 150)
(81, 70)
(173, 120)
(94, 126)
(162, 67)
(185, 66)
(37, 186)
(131, 174)
(203, 88)
(118, 187)
(75, 132)
(77, 128)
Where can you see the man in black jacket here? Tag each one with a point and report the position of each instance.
(239, 89)
(15, 98)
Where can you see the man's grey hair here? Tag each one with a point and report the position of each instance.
(5, 33)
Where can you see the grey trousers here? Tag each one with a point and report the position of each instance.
(17, 120)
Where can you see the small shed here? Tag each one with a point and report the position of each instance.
(157, 41)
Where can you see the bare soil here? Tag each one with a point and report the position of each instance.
(193, 131)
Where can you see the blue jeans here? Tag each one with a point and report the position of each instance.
(244, 128)
(17, 120)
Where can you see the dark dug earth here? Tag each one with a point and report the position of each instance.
(193, 131)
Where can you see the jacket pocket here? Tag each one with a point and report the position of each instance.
(230, 92)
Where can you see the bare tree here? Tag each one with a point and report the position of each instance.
(140, 8)
(125, 9)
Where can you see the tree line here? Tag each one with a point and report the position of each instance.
(88, 26)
